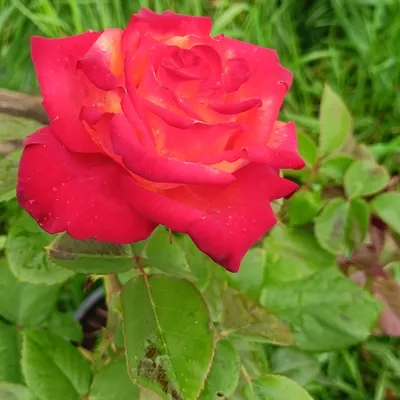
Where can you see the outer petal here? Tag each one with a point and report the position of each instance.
(55, 62)
(149, 165)
(80, 194)
(280, 152)
(224, 221)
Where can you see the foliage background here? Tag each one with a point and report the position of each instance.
(351, 45)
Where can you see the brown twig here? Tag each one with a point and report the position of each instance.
(22, 105)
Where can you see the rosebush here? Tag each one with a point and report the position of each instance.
(178, 325)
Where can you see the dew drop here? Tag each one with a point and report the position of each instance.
(54, 189)
(203, 217)
(244, 230)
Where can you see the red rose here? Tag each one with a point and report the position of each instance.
(159, 124)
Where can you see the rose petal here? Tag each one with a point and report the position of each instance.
(267, 80)
(103, 64)
(205, 140)
(237, 72)
(80, 194)
(223, 221)
(165, 25)
(280, 152)
(55, 63)
(236, 108)
(132, 103)
(149, 165)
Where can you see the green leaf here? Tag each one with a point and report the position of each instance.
(293, 254)
(275, 387)
(26, 253)
(357, 222)
(8, 175)
(146, 394)
(54, 368)
(295, 364)
(12, 391)
(10, 370)
(307, 148)
(65, 325)
(330, 226)
(168, 335)
(363, 152)
(326, 311)
(334, 168)
(245, 318)
(253, 357)
(164, 252)
(112, 382)
(224, 373)
(303, 206)
(89, 256)
(250, 277)
(386, 206)
(213, 294)
(24, 303)
(364, 178)
(3, 239)
(335, 122)
(201, 266)
(176, 255)
(16, 128)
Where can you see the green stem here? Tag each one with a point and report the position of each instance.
(113, 287)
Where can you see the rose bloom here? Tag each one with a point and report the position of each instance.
(159, 123)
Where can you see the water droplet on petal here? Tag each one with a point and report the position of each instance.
(203, 217)
(54, 189)
(244, 230)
